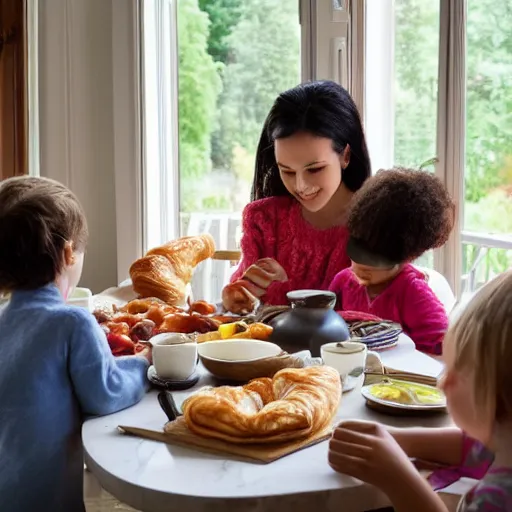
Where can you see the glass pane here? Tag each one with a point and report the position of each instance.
(488, 172)
(402, 59)
(235, 57)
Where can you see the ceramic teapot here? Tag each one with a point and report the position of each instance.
(310, 322)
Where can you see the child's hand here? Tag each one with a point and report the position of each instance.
(367, 451)
(147, 352)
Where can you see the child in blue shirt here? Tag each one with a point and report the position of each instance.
(55, 363)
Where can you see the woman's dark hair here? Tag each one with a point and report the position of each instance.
(401, 213)
(324, 109)
(37, 217)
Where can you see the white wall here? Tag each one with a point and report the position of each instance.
(78, 145)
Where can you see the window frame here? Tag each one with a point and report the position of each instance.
(325, 37)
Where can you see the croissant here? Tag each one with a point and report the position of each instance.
(166, 271)
(296, 403)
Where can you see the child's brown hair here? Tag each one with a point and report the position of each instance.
(37, 217)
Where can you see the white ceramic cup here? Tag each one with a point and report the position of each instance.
(172, 357)
(81, 297)
(345, 356)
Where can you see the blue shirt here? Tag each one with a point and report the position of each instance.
(55, 368)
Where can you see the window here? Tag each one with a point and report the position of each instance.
(401, 84)
(401, 81)
(411, 71)
(235, 56)
(487, 235)
(433, 79)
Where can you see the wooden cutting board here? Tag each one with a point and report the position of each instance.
(178, 433)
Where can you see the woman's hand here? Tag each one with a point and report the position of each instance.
(264, 272)
(368, 452)
(241, 296)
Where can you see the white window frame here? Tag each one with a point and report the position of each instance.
(159, 106)
(127, 105)
(33, 87)
(159, 60)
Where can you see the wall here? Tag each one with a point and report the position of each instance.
(77, 120)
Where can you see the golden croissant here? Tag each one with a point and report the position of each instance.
(165, 272)
(295, 404)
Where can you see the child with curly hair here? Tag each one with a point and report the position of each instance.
(478, 389)
(56, 365)
(396, 216)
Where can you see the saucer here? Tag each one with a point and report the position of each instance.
(172, 384)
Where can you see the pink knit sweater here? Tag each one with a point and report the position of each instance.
(274, 228)
(408, 300)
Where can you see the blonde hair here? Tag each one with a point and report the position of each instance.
(482, 338)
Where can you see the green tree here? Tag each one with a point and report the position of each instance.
(489, 96)
(416, 79)
(265, 60)
(224, 15)
(199, 86)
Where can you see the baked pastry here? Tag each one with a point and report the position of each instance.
(296, 403)
(241, 296)
(166, 271)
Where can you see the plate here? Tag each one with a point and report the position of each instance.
(409, 389)
(171, 384)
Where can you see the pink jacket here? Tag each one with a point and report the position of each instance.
(274, 228)
(408, 300)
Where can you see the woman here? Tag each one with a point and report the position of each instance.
(311, 158)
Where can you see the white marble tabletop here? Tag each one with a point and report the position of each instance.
(155, 477)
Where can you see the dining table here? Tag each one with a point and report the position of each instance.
(152, 476)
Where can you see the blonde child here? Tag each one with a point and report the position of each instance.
(478, 388)
(56, 365)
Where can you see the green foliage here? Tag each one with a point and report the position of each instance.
(199, 86)
(416, 78)
(488, 91)
(265, 60)
(489, 95)
(224, 15)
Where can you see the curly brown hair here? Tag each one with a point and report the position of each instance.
(401, 213)
(37, 217)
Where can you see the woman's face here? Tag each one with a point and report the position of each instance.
(310, 168)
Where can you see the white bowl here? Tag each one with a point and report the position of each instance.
(242, 350)
(242, 360)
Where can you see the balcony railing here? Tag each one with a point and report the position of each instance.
(484, 255)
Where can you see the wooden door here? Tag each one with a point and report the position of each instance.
(13, 89)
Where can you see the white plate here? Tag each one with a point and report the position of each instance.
(365, 391)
